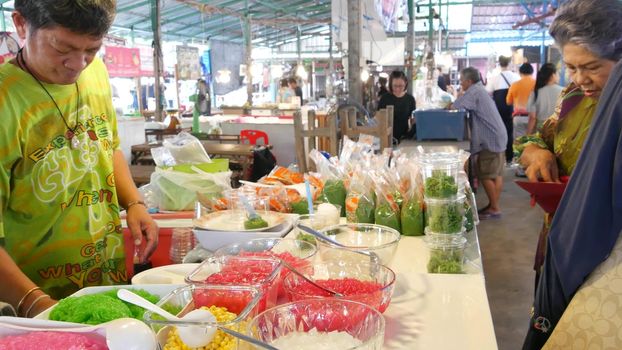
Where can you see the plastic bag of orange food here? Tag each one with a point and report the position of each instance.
(282, 175)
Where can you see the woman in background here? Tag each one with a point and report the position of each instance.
(403, 105)
(542, 100)
(285, 93)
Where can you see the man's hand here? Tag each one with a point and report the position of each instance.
(539, 163)
(141, 224)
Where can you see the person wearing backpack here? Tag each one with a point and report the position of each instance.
(499, 85)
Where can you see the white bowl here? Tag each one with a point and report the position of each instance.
(212, 240)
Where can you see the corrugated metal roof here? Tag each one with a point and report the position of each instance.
(276, 21)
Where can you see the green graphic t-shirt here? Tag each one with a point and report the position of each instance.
(59, 215)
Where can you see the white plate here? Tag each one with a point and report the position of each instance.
(168, 274)
(160, 290)
(233, 220)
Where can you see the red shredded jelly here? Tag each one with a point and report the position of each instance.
(366, 292)
(296, 262)
(241, 273)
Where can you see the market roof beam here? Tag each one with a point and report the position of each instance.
(133, 6)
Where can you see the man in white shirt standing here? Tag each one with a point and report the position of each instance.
(498, 85)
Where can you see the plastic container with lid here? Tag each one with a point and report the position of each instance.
(445, 215)
(446, 253)
(440, 172)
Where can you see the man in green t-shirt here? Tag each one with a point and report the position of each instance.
(63, 177)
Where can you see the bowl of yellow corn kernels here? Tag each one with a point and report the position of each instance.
(232, 307)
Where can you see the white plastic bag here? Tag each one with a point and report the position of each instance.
(176, 190)
(183, 148)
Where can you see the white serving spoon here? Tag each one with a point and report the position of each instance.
(120, 334)
(191, 335)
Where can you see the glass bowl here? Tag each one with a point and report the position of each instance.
(375, 243)
(297, 253)
(368, 283)
(241, 303)
(257, 272)
(320, 325)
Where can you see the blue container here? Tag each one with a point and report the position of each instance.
(439, 124)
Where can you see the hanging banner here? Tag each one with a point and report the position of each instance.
(9, 45)
(188, 63)
(146, 61)
(122, 62)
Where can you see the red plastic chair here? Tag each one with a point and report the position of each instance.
(253, 135)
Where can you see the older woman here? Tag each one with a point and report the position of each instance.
(582, 236)
(586, 42)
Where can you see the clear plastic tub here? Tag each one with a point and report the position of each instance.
(440, 174)
(314, 323)
(299, 254)
(241, 303)
(446, 253)
(445, 215)
(257, 272)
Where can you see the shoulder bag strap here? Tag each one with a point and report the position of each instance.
(506, 80)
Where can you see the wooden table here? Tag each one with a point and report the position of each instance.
(242, 153)
(160, 133)
(141, 174)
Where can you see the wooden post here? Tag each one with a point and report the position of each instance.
(157, 55)
(177, 90)
(355, 86)
(139, 95)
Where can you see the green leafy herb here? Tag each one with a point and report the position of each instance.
(445, 261)
(440, 185)
(301, 207)
(255, 223)
(444, 218)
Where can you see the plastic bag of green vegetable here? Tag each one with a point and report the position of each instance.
(177, 190)
(412, 217)
(334, 192)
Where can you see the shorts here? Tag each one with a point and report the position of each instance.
(490, 165)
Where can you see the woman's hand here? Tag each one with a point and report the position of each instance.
(141, 224)
(539, 163)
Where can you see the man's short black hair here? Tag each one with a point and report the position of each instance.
(525, 68)
(93, 17)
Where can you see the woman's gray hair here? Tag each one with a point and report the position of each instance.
(92, 17)
(470, 73)
(595, 25)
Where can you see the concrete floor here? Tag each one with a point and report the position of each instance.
(508, 246)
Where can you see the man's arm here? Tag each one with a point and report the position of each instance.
(138, 219)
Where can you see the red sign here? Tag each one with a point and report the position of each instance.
(146, 61)
(122, 62)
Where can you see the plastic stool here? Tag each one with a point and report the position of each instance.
(253, 135)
